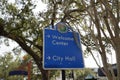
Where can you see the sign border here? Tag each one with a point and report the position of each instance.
(59, 68)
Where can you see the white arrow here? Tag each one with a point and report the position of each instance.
(48, 57)
(48, 36)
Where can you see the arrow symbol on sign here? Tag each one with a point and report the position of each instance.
(48, 36)
(48, 57)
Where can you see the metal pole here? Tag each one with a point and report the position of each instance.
(73, 74)
(63, 74)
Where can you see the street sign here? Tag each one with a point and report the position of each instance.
(61, 50)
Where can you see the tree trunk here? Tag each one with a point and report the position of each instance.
(105, 65)
(45, 75)
(117, 50)
(118, 62)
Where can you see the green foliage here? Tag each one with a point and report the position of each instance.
(19, 20)
(2, 22)
(7, 64)
(81, 74)
(12, 9)
(54, 74)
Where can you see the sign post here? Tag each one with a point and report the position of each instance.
(61, 50)
(63, 74)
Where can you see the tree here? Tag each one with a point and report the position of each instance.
(97, 21)
(104, 31)
(7, 64)
(54, 74)
(81, 74)
(19, 24)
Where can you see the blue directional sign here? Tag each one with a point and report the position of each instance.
(62, 50)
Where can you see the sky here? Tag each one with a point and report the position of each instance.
(40, 6)
(9, 49)
(5, 49)
(89, 61)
